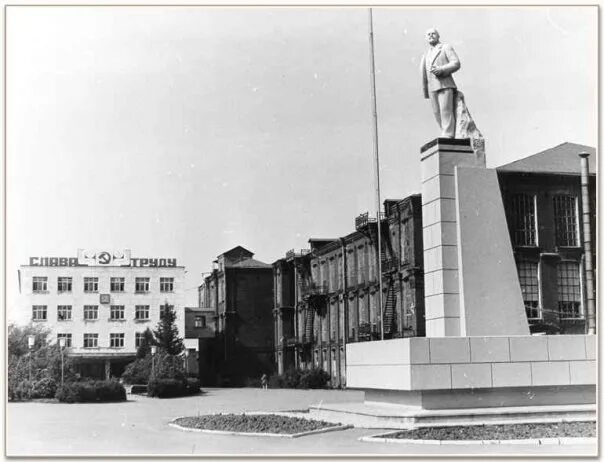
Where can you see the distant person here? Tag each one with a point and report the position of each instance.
(264, 381)
(438, 64)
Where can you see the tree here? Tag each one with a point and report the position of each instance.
(166, 333)
(145, 346)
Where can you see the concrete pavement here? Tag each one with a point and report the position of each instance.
(140, 427)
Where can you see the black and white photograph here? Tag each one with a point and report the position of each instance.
(274, 231)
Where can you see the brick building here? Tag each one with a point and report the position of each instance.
(327, 296)
(542, 198)
(239, 291)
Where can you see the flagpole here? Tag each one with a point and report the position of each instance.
(377, 171)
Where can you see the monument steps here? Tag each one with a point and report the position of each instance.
(385, 415)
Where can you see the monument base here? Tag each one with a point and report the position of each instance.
(423, 381)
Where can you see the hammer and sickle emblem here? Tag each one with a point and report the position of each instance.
(104, 258)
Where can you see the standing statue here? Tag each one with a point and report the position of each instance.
(438, 64)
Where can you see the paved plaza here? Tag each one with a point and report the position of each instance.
(140, 427)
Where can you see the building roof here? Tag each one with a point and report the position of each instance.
(561, 159)
(248, 263)
(239, 250)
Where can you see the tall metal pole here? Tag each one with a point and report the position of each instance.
(377, 171)
(589, 273)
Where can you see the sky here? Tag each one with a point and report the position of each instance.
(185, 131)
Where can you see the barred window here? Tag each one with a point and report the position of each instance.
(522, 217)
(569, 290)
(91, 340)
(91, 312)
(138, 339)
(40, 284)
(116, 340)
(565, 216)
(141, 312)
(166, 284)
(528, 275)
(91, 284)
(39, 312)
(117, 284)
(64, 313)
(141, 285)
(67, 338)
(64, 284)
(116, 312)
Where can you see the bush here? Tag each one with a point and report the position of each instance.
(44, 388)
(297, 378)
(138, 371)
(22, 390)
(91, 391)
(172, 388)
(314, 378)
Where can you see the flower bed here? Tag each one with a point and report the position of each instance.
(500, 432)
(242, 423)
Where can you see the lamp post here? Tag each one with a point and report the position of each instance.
(61, 346)
(31, 339)
(153, 351)
(187, 362)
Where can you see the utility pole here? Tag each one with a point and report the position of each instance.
(377, 171)
(589, 272)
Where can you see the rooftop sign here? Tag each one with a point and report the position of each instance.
(103, 258)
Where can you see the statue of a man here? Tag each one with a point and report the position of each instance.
(438, 64)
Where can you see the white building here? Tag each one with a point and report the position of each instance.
(101, 302)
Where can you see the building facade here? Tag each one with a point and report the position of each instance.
(199, 328)
(328, 295)
(542, 199)
(101, 303)
(239, 291)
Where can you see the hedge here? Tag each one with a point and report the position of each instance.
(298, 378)
(36, 389)
(91, 391)
(172, 388)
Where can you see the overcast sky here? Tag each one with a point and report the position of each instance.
(185, 131)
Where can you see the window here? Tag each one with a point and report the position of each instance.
(91, 312)
(141, 285)
(116, 340)
(91, 340)
(200, 321)
(569, 290)
(522, 214)
(39, 312)
(141, 312)
(64, 313)
(67, 338)
(91, 284)
(64, 284)
(166, 284)
(117, 284)
(116, 312)
(40, 284)
(138, 339)
(529, 284)
(565, 216)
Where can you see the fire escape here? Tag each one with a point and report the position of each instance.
(367, 226)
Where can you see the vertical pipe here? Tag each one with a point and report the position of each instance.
(377, 171)
(589, 277)
(296, 328)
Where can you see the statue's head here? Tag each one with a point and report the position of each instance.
(432, 36)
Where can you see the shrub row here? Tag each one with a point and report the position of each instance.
(171, 388)
(91, 391)
(36, 389)
(298, 378)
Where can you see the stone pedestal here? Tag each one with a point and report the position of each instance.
(439, 215)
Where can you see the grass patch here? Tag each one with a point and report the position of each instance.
(501, 432)
(265, 423)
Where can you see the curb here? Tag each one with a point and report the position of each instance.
(381, 438)
(272, 435)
